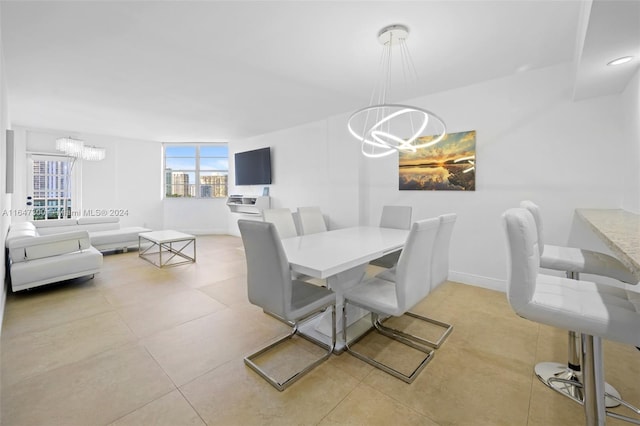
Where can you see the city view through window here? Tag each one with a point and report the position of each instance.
(197, 171)
(51, 189)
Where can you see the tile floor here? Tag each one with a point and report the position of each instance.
(138, 345)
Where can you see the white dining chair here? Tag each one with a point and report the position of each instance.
(285, 224)
(439, 273)
(311, 220)
(396, 217)
(573, 261)
(286, 227)
(386, 298)
(269, 286)
(440, 264)
(283, 220)
(440, 270)
(571, 305)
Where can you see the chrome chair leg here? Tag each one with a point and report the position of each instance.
(386, 368)
(278, 317)
(592, 387)
(282, 385)
(566, 378)
(594, 409)
(435, 345)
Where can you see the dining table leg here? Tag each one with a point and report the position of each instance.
(320, 326)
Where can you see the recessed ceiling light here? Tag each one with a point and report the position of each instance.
(620, 61)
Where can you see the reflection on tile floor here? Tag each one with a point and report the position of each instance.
(139, 345)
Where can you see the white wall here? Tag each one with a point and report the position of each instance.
(311, 166)
(196, 216)
(5, 199)
(127, 180)
(631, 125)
(533, 142)
(126, 183)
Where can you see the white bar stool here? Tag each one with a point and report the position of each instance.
(571, 305)
(574, 261)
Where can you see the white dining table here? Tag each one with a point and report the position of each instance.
(340, 256)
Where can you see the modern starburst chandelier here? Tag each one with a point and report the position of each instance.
(77, 149)
(384, 128)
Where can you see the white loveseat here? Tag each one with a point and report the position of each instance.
(105, 232)
(35, 260)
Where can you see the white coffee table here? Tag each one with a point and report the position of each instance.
(167, 242)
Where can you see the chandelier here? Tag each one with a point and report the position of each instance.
(77, 149)
(383, 128)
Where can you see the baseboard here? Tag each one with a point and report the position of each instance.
(478, 281)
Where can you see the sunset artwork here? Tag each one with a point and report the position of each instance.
(448, 165)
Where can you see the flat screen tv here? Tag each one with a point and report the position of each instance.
(253, 167)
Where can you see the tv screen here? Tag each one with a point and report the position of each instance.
(253, 167)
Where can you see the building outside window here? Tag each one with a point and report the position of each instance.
(196, 170)
(51, 179)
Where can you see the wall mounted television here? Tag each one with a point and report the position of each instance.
(253, 167)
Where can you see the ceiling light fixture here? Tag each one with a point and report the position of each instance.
(70, 146)
(384, 128)
(620, 61)
(77, 149)
(93, 153)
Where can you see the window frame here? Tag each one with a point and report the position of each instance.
(67, 195)
(198, 172)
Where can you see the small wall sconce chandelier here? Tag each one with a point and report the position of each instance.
(77, 149)
(384, 128)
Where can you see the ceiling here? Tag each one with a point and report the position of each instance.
(223, 70)
(613, 31)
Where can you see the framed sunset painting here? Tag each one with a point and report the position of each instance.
(448, 165)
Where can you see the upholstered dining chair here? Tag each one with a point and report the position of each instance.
(568, 304)
(270, 287)
(396, 217)
(439, 273)
(573, 261)
(283, 220)
(440, 264)
(386, 298)
(311, 220)
(440, 269)
(286, 227)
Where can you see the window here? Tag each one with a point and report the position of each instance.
(51, 187)
(196, 170)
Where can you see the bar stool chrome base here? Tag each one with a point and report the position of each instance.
(557, 376)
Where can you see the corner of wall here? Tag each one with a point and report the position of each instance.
(631, 131)
(5, 199)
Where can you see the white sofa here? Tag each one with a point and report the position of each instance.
(105, 232)
(35, 260)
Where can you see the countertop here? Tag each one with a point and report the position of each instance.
(620, 230)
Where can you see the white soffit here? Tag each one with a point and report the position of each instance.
(613, 31)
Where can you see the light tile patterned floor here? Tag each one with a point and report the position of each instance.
(139, 345)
